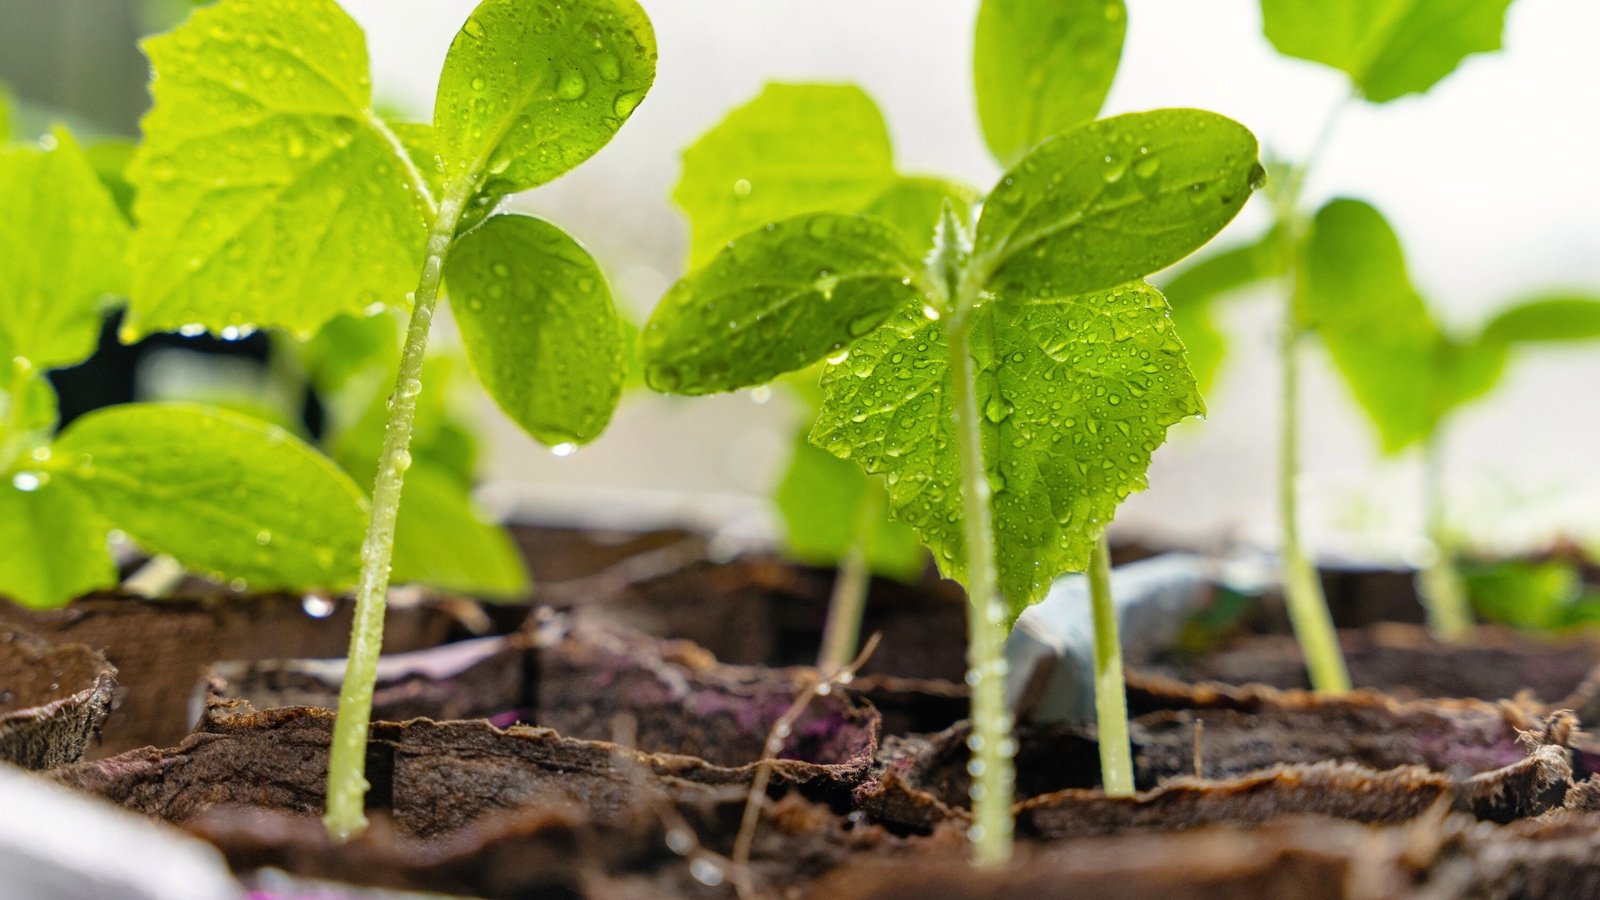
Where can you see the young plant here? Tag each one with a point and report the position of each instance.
(833, 513)
(1406, 371)
(1010, 385)
(270, 194)
(197, 484)
(1388, 49)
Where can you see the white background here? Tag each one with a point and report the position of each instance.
(1491, 180)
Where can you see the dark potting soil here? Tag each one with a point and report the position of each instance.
(466, 806)
(53, 699)
(1406, 794)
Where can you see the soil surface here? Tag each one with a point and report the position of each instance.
(608, 746)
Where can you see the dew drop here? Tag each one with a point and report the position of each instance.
(27, 481)
(1147, 166)
(316, 606)
(1113, 168)
(741, 188)
(706, 872)
(564, 449)
(680, 841)
(263, 538)
(572, 85)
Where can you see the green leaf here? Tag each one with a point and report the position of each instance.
(64, 243)
(55, 551)
(1077, 393)
(221, 492)
(819, 498)
(110, 159)
(766, 161)
(1547, 319)
(1359, 299)
(532, 88)
(538, 326)
(441, 539)
(268, 192)
(1112, 201)
(775, 300)
(1470, 370)
(1389, 48)
(913, 207)
(1193, 292)
(1041, 67)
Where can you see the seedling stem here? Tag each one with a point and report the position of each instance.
(347, 785)
(1308, 608)
(993, 773)
(1110, 693)
(842, 629)
(1440, 585)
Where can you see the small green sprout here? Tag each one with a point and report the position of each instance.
(1388, 49)
(1006, 378)
(1407, 372)
(270, 193)
(133, 468)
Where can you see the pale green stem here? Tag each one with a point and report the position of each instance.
(1302, 589)
(1443, 593)
(1110, 693)
(993, 770)
(841, 632)
(347, 783)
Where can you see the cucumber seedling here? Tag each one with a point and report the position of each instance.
(1388, 50)
(201, 485)
(269, 193)
(1407, 372)
(1008, 386)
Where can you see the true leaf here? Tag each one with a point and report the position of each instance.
(1041, 67)
(532, 88)
(1470, 369)
(268, 192)
(776, 300)
(1548, 319)
(442, 540)
(64, 242)
(1193, 292)
(1389, 48)
(1375, 325)
(1076, 391)
(54, 550)
(538, 325)
(221, 492)
(820, 499)
(913, 205)
(765, 162)
(1112, 201)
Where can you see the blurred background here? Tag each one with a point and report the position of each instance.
(1489, 179)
